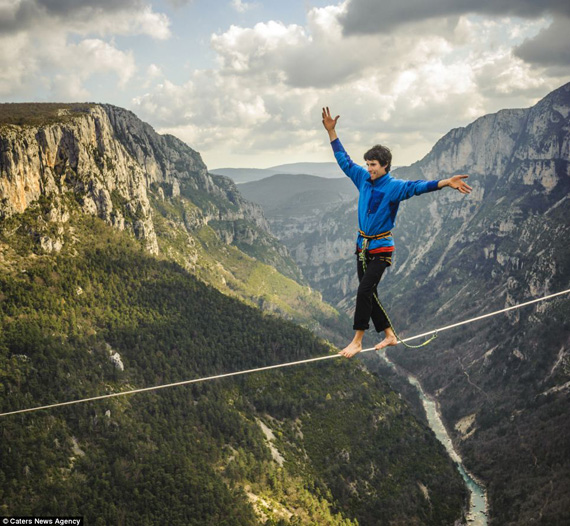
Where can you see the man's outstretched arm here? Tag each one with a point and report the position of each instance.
(456, 182)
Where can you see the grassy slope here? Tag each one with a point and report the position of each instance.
(241, 271)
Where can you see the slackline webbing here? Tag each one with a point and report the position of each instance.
(276, 366)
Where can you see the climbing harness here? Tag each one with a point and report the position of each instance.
(276, 366)
(383, 235)
(362, 257)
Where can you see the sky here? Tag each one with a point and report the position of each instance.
(243, 82)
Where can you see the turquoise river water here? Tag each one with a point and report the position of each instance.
(477, 514)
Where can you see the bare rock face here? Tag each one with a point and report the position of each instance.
(171, 164)
(524, 145)
(519, 167)
(163, 158)
(80, 156)
(109, 162)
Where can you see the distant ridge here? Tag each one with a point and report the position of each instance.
(328, 169)
(246, 175)
(291, 195)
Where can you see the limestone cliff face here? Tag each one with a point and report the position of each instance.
(523, 145)
(169, 163)
(519, 167)
(111, 163)
(60, 161)
(80, 156)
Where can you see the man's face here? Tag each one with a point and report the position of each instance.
(375, 169)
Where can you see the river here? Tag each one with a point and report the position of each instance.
(477, 515)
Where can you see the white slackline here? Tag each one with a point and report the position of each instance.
(269, 367)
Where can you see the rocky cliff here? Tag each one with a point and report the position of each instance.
(79, 156)
(110, 160)
(503, 385)
(60, 159)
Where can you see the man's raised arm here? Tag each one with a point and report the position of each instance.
(347, 165)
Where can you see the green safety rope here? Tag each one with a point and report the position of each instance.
(362, 256)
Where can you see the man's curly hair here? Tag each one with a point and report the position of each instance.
(380, 153)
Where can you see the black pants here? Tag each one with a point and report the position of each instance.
(366, 305)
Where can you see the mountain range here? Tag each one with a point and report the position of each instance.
(125, 264)
(122, 256)
(503, 385)
(289, 196)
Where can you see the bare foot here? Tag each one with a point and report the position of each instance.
(387, 342)
(352, 349)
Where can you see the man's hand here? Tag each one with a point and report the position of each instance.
(329, 123)
(457, 183)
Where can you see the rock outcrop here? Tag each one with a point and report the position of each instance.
(81, 157)
(110, 162)
(61, 161)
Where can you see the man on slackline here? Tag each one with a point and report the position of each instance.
(380, 196)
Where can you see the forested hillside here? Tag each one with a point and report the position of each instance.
(104, 316)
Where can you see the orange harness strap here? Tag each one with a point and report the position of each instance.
(383, 235)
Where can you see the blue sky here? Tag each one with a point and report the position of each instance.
(243, 82)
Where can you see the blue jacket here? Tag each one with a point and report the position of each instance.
(379, 199)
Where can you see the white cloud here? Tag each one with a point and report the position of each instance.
(155, 25)
(154, 71)
(53, 47)
(101, 56)
(141, 20)
(67, 88)
(17, 64)
(88, 58)
(257, 49)
(242, 7)
(152, 75)
(265, 97)
(58, 66)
